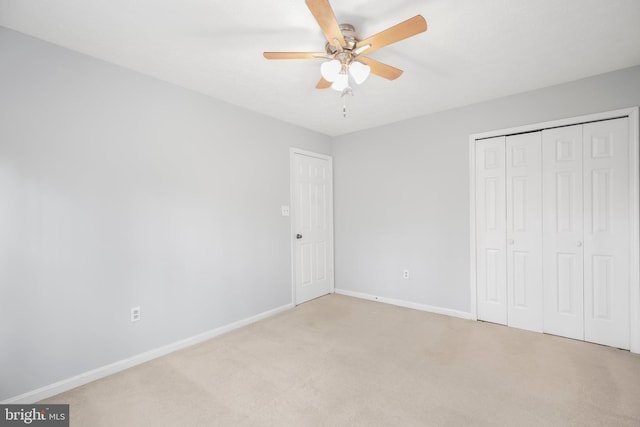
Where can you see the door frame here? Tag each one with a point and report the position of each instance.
(292, 153)
(633, 114)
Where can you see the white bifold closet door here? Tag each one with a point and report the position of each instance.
(563, 244)
(490, 225)
(552, 231)
(509, 225)
(606, 232)
(524, 230)
(586, 241)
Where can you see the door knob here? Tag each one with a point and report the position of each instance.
(298, 236)
(579, 244)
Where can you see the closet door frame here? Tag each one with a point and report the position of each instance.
(634, 202)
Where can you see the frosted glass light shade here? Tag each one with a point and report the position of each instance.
(341, 82)
(330, 70)
(359, 71)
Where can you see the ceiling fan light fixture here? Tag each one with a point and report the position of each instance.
(330, 70)
(359, 71)
(341, 82)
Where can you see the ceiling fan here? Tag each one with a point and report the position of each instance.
(344, 49)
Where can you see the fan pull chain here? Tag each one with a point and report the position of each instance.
(345, 93)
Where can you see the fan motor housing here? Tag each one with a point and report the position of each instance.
(350, 38)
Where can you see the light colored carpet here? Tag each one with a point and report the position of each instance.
(340, 361)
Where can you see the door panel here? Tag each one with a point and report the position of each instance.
(606, 234)
(518, 284)
(312, 214)
(524, 230)
(567, 286)
(562, 222)
(491, 228)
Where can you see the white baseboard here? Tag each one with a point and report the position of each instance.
(407, 304)
(95, 374)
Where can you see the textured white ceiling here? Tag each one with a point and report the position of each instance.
(474, 50)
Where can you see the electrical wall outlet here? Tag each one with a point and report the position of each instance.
(135, 314)
(405, 274)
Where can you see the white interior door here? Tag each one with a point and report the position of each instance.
(313, 216)
(491, 280)
(524, 230)
(562, 221)
(606, 232)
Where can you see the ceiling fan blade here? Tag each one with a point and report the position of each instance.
(323, 84)
(295, 55)
(380, 69)
(403, 30)
(321, 10)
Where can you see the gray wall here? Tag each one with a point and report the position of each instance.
(402, 190)
(118, 190)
